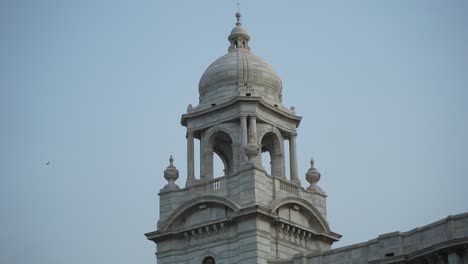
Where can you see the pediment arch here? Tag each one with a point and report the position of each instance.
(194, 205)
(306, 207)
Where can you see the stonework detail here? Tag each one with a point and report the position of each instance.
(205, 234)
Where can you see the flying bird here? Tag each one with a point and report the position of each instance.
(48, 163)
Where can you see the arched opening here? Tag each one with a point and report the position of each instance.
(266, 162)
(271, 144)
(218, 166)
(220, 144)
(208, 260)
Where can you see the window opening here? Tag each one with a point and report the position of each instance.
(208, 260)
(218, 166)
(266, 162)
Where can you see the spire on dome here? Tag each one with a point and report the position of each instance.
(238, 16)
(239, 38)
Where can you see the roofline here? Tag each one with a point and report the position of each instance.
(217, 107)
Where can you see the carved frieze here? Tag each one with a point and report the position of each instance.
(205, 234)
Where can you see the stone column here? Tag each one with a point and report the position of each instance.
(209, 165)
(252, 149)
(276, 168)
(283, 160)
(243, 133)
(253, 128)
(253, 134)
(202, 156)
(293, 159)
(190, 159)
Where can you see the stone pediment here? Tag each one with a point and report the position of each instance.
(199, 212)
(201, 215)
(301, 212)
(293, 213)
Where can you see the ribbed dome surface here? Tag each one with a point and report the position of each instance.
(239, 72)
(226, 76)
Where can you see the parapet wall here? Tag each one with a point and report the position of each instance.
(441, 241)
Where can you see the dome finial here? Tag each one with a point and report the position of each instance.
(239, 37)
(238, 15)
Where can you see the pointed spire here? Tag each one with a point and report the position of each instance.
(238, 16)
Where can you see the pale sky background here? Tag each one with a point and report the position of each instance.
(97, 88)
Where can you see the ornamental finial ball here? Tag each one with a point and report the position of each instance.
(171, 174)
(313, 175)
(238, 16)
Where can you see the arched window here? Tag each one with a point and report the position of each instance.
(271, 145)
(218, 166)
(208, 260)
(266, 161)
(219, 146)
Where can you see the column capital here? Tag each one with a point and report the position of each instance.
(292, 135)
(243, 114)
(252, 115)
(190, 132)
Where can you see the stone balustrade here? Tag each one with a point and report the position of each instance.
(288, 187)
(208, 186)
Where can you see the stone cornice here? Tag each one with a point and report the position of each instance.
(247, 212)
(204, 110)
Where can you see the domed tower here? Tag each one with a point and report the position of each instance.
(246, 215)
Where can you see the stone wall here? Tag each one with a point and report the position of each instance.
(444, 241)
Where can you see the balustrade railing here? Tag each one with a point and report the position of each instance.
(207, 186)
(289, 187)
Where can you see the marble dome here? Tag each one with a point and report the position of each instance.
(239, 73)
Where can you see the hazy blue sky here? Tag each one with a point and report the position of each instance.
(97, 88)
